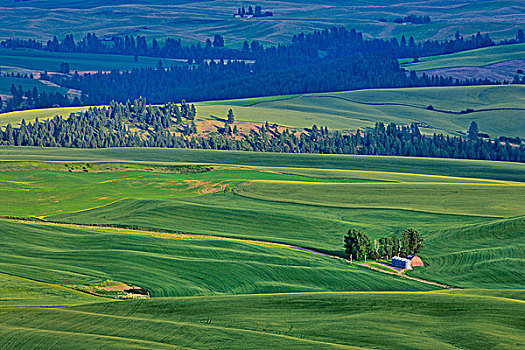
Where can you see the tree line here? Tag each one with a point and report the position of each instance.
(316, 43)
(139, 124)
(252, 12)
(32, 98)
(331, 60)
(358, 245)
(216, 81)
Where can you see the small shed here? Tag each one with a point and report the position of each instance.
(402, 263)
(416, 260)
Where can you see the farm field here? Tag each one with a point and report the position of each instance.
(497, 63)
(37, 61)
(178, 265)
(474, 319)
(471, 58)
(497, 109)
(197, 21)
(483, 247)
(30, 115)
(190, 218)
(311, 164)
(229, 242)
(17, 291)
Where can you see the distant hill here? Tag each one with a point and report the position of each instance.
(195, 22)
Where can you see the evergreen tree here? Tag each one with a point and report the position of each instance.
(473, 131)
(231, 117)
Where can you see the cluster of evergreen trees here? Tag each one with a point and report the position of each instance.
(139, 124)
(118, 125)
(251, 12)
(32, 98)
(135, 46)
(415, 19)
(358, 245)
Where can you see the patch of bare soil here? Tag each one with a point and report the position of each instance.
(112, 289)
(501, 71)
(206, 126)
(206, 187)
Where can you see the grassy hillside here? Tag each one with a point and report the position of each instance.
(16, 117)
(498, 109)
(441, 167)
(175, 265)
(450, 320)
(17, 291)
(239, 224)
(196, 21)
(490, 255)
(471, 58)
(499, 199)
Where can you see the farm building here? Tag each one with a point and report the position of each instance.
(416, 260)
(402, 263)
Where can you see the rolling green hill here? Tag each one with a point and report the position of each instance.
(471, 58)
(490, 255)
(176, 265)
(498, 109)
(234, 277)
(478, 169)
(446, 320)
(305, 207)
(196, 21)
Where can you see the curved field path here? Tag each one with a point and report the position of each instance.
(184, 235)
(400, 273)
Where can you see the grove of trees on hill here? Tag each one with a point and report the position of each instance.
(358, 245)
(168, 125)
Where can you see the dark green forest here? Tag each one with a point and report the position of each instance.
(331, 60)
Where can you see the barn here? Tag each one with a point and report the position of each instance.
(416, 260)
(402, 263)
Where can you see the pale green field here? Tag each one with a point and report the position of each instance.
(471, 58)
(38, 61)
(30, 115)
(363, 108)
(499, 200)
